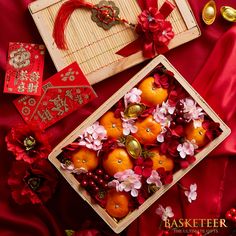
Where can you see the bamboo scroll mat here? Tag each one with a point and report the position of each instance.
(94, 48)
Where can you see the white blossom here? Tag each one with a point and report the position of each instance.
(164, 213)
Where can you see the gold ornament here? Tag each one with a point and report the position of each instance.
(133, 147)
(209, 12)
(134, 110)
(228, 13)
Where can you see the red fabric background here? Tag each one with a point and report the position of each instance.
(207, 62)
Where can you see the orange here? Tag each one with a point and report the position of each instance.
(148, 130)
(198, 134)
(152, 95)
(161, 161)
(112, 125)
(117, 204)
(117, 160)
(85, 158)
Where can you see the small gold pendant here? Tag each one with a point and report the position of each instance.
(228, 13)
(209, 12)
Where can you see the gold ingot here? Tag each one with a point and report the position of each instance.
(228, 13)
(133, 147)
(134, 110)
(209, 12)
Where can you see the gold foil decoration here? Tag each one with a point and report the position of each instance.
(209, 12)
(134, 110)
(133, 147)
(228, 13)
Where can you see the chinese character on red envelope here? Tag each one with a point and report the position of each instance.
(24, 70)
(62, 94)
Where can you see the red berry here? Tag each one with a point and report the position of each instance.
(99, 171)
(180, 120)
(95, 177)
(101, 181)
(179, 105)
(106, 177)
(234, 218)
(174, 115)
(96, 189)
(91, 183)
(228, 215)
(233, 211)
(173, 123)
(89, 174)
(84, 183)
(180, 112)
(105, 185)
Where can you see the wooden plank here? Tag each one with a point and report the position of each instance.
(121, 225)
(187, 14)
(42, 4)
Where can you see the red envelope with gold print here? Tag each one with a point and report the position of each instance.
(62, 94)
(24, 70)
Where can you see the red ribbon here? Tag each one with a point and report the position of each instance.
(151, 41)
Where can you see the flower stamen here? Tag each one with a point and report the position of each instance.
(29, 143)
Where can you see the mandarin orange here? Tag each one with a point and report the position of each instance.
(85, 158)
(161, 160)
(151, 94)
(198, 134)
(117, 204)
(112, 125)
(148, 130)
(117, 160)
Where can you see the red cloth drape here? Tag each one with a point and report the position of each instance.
(207, 62)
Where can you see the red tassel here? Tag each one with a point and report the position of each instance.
(62, 19)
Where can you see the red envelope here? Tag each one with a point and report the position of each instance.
(24, 70)
(62, 94)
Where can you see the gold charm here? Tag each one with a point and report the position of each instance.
(134, 110)
(209, 12)
(228, 13)
(133, 147)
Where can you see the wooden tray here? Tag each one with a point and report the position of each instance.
(121, 225)
(94, 48)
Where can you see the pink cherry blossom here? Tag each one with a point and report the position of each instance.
(127, 181)
(129, 127)
(192, 193)
(154, 179)
(162, 114)
(164, 213)
(93, 137)
(186, 148)
(191, 110)
(133, 96)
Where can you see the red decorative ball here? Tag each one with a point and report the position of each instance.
(228, 215)
(100, 181)
(180, 120)
(106, 177)
(99, 172)
(96, 189)
(234, 218)
(166, 232)
(91, 183)
(179, 106)
(84, 183)
(233, 211)
(89, 174)
(95, 177)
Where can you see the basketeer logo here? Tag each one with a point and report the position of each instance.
(195, 225)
